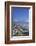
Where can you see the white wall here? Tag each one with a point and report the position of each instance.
(2, 25)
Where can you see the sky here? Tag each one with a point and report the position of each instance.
(20, 14)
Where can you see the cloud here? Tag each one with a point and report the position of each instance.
(15, 20)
